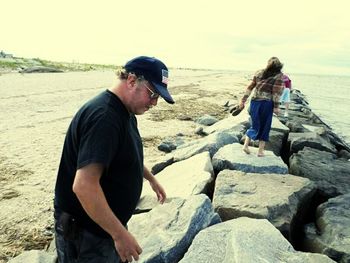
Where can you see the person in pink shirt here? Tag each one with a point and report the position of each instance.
(285, 98)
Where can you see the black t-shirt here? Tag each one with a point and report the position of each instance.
(103, 132)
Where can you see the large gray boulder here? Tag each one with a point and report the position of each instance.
(210, 143)
(331, 175)
(246, 240)
(166, 232)
(298, 141)
(237, 124)
(218, 137)
(232, 157)
(277, 125)
(276, 141)
(170, 144)
(161, 162)
(296, 125)
(182, 179)
(207, 120)
(331, 234)
(275, 197)
(275, 144)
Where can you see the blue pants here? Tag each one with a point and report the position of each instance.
(83, 247)
(261, 113)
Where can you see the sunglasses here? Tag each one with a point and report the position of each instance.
(152, 95)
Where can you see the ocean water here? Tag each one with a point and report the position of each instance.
(329, 98)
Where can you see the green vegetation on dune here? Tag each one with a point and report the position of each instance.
(9, 64)
(15, 64)
(66, 66)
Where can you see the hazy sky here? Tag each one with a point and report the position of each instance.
(309, 36)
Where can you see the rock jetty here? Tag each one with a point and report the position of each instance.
(227, 206)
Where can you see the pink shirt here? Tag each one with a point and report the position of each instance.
(287, 81)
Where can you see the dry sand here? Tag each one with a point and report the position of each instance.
(35, 111)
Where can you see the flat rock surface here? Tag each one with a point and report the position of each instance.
(232, 157)
(246, 240)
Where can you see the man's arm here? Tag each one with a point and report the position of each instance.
(157, 188)
(87, 188)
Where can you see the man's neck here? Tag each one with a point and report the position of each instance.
(119, 90)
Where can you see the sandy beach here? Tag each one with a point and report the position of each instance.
(35, 111)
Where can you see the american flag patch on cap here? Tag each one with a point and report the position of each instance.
(165, 76)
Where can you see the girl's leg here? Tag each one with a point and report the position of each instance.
(265, 116)
(261, 148)
(246, 145)
(286, 104)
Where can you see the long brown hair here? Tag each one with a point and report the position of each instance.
(274, 67)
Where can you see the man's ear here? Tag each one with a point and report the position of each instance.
(131, 80)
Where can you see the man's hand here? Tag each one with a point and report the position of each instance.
(159, 190)
(276, 110)
(156, 187)
(127, 246)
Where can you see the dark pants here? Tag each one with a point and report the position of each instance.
(261, 112)
(76, 245)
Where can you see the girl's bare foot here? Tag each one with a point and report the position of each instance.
(261, 154)
(246, 150)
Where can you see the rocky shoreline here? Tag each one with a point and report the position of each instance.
(226, 206)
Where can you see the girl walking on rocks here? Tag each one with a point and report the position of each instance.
(267, 86)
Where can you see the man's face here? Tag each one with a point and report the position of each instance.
(144, 97)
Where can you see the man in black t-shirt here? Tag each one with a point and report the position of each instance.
(100, 176)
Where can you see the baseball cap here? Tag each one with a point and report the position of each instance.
(154, 71)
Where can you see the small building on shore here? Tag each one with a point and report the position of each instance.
(5, 55)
